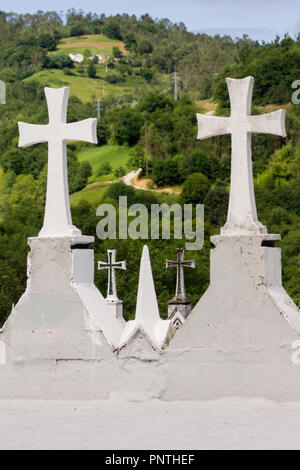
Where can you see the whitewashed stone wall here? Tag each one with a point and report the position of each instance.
(62, 340)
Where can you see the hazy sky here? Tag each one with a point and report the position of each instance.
(261, 19)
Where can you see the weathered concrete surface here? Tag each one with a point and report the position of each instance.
(239, 338)
(61, 316)
(238, 341)
(113, 425)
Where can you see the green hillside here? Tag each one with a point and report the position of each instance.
(115, 155)
(141, 120)
(93, 193)
(85, 88)
(95, 43)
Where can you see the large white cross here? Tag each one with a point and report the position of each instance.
(57, 220)
(242, 214)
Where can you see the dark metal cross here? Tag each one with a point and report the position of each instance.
(180, 264)
(112, 265)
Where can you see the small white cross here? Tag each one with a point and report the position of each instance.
(112, 265)
(242, 214)
(58, 220)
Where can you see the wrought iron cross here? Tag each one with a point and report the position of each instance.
(180, 264)
(57, 220)
(112, 265)
(242, 215)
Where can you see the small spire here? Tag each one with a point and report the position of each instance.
(147, 317)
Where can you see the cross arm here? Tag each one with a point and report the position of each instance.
(84, 131)
(211, 126)
(102, 265)
(271, 123)
(171, 264)
(189, 264)
(120, 265)
(30, 134)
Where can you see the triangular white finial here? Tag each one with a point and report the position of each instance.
(147, 318)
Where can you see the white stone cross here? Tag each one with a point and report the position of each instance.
(58, 220)
(180, 264)
(242, 214)
(112, 265)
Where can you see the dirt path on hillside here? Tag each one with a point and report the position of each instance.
(132, 179)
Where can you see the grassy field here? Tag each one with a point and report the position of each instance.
(95, 43)
(206, 106)
(93, 193)
(113, 154)
(88, 89)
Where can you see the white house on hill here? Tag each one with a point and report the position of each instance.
(77, 58)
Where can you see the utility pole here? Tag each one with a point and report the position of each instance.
(98, 110)
(175, 78)
(146, 144)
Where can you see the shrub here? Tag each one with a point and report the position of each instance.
(165, 172)
(113, 78)
(91, 71)
(77, 30)
(46, 41)
(119, 172)
(112, 31)
(105, 169)
(67, 71)
(195, 189)
(59, 61)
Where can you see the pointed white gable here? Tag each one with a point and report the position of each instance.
(147, 318)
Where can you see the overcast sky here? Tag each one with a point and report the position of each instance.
(261, 19)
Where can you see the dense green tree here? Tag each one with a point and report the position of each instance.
(165, 172)
(117, 54)
(77, 30)
(112, 30)
(129, 41)
(195, 189)
(145, 47)
(48, 42)
(127, 126)
(104, 169)
(216, 203)
(59, 61)
(91, 70)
